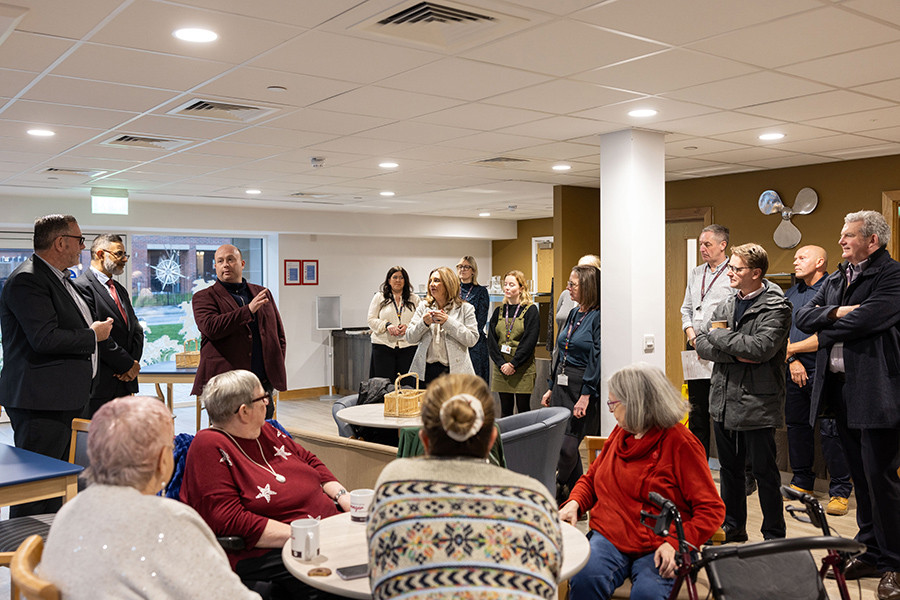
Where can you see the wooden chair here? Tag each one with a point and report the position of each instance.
(26, 585)
(594, 444)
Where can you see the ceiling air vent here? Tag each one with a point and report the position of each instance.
(221, 111)
(500, 161)
(72, 172)
(141, 141)
(449, 25)
(311, 196)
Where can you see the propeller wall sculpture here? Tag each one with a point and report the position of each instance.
(786, 234)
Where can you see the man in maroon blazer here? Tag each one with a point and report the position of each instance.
(240, 327)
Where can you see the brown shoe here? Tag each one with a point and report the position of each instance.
(889, 586)
(837, 506)
(857, 569)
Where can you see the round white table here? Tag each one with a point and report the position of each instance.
(342, 543)
(372, 415)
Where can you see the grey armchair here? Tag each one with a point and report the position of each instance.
(532, 442)
(344, 429)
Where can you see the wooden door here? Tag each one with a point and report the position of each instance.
(681, 238)
(544, 268)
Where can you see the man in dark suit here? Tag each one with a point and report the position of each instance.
(856, 314)
(49, 346)
(120, 355)
(240, 327)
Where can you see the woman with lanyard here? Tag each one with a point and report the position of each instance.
(390, 312)
(575, 378)
(511, 342)
(478, 297)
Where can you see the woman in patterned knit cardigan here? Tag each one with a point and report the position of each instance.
(450, 524)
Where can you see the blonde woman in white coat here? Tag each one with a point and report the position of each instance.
(444, 327)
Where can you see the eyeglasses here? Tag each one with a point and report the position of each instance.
(80, 238)
(733, 269)
(120, 254)
(571, 285)
(463, 267)
(611, 404)
(264, 398)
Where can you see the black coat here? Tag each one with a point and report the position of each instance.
(47, 345)
(871, 340)
(125, 343)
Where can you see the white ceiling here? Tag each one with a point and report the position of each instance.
(540, 83)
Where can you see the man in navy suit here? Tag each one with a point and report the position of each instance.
(120, 355)
(240, 327)
(49, 346)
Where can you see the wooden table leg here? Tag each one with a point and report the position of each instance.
(199, 408)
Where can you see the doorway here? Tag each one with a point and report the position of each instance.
(683, 227)
(542, 263)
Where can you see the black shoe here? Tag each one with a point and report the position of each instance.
(733, 534)
(857, 569)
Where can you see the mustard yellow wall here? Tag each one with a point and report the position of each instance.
(842, 187)
(516, 253)
(576, 228)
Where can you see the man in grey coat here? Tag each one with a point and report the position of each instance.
(856, 314)
(746, 398)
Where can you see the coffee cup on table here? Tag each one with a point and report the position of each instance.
(305, 538)
(360, 501)
(719, 325)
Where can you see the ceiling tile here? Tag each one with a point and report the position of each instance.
(321, 121)
(148, 25)
(362, 145)
(418, 133)
(792, 133)
(95, 94)
(575, 47)
(816, 106)
(30, 52)
(686, 148)
(481, 116)
(861, 121)
(381, 102)
(561, 96)
(794, 160)
(489, 143)
(851, 68)
(557, 151)
(181, 127)
(561, 128)
(65, 19)
(138, 67)
(831, 142)
(681, 21)
(239, 150)
(887, 11)
(303, 14)
(668, 109)
(275, 136)
(888, 90)
(743, 155)
(60, 114)
(444, 78)
(250, 84)
(807, 36)
(345, 58)
(715, 124)
(748, 90)
(12, 82)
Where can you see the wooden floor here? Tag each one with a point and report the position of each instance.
(316, 415)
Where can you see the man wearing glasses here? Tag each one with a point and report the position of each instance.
(121, 354)
(748, 344)
(49, 347)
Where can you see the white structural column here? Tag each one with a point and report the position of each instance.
(632, 247)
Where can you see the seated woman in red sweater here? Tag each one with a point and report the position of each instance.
(247, 478)
(649, 451)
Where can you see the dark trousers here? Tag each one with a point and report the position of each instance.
(801, 442)
(510, 402)
(874, 457)
(435, 370)
(736, 449)
(268, 576)
(389, 362)
(698, 418)
(46, 432)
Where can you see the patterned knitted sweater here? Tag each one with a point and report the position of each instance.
(462, 529)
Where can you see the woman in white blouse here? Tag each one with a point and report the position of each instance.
(390, 313)
(444, 327)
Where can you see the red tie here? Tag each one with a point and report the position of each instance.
(115, 295)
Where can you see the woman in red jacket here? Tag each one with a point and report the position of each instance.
(649, 451)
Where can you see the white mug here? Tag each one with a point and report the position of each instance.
(305, 538)
(360, 500)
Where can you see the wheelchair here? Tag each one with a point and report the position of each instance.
(768, 570)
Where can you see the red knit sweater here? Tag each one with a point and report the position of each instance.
(671, 462)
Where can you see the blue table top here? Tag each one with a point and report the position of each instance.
(22, 466)
(167, 368)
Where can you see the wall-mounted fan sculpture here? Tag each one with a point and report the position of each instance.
(787, 235)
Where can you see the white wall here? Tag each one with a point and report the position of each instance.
(354, 268)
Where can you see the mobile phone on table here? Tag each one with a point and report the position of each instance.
(353, 572)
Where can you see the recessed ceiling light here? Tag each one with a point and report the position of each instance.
(642, 112)
(254, 192)
(561, 167)
(484, 214)
(388, 165)
(387, 194)
(195, 34)
(768, 137)
(41, 132)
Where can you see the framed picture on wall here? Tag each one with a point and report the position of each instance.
(310, 272)
(292, 272)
